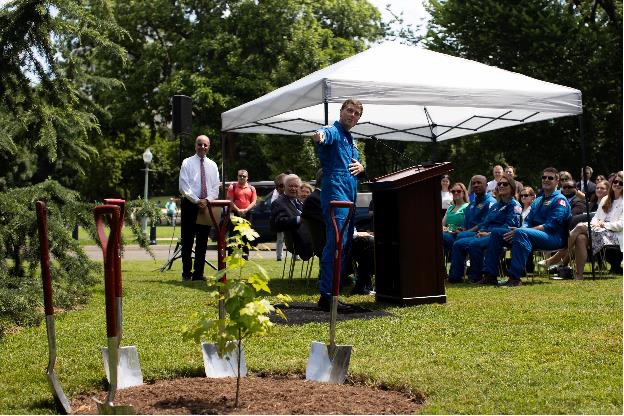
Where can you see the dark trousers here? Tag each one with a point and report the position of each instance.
(193, 232)
(363, 252)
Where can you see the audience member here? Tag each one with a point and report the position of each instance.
(591, 186)
(498, 173)
(305, 191)
(600, 178)
(527, 196)
(242, 196)
(505, 213)
(545, 228)
(577, 204)
(286, 217)
(606, 229)
(453, 218)
(279, 190)
(445, 182)
(511, 171)
(198, 183)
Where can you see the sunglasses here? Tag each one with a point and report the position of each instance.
(618, 183)
(524, 195)
(550, 178)
(242, 176)
(502, 184)
(455, 191)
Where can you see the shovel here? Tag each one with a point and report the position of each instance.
(110, 248)
(329, 363)
(129, 372)
(60, 400)
(227, 366)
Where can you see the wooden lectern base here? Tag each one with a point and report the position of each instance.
(410, 301)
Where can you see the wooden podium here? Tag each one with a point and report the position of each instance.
(409, 258)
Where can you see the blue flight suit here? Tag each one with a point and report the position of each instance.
(553, 212)
(501, 215)
(335, 154)
(474, 214)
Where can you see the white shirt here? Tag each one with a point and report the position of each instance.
(447, 198)
(190, 179)
(491, 186)
(612, 219)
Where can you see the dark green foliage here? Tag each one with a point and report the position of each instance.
(572, 43)
(72, 272)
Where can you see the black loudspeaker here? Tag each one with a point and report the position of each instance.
(182, 114)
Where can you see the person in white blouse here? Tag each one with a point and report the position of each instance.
(198, 183)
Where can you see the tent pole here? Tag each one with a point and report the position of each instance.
(223, 136)
(584, 179)
(326, 108)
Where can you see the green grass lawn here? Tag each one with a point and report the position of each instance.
(548, 347)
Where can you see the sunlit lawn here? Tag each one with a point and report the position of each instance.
(547, 347)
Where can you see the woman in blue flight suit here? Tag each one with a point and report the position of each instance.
(503, 214)
(340, 161)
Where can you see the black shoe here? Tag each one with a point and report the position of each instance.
(186, 278)
(565, 272)
(324, 304)
(488, 280)
(553, 270)
(616, 270)
(362, 291)
(512, 282)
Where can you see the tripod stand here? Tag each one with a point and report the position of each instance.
(177, 252)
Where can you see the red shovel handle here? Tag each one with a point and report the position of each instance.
(338, 238)
(221, 230)
(42, 223)
(122, 214)
(109, 249)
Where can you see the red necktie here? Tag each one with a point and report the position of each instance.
(204, 189)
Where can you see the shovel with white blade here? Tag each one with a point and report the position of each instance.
(110, 248)
(215, 366)
(60, 400)
(129, 372)
(329, 363)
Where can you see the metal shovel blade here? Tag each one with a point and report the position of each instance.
(60, 400)
(217, 367)
(328, 366)
(105, 408)
(128, 369)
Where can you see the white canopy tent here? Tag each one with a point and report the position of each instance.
(408, 94)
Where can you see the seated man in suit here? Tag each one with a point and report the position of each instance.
(362, 248)
(286, 217)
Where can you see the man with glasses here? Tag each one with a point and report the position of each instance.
(243, 197)
(340, 161)
(577, 204)
(545, 228)
(198, 183)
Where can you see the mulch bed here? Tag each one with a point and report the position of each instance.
(299, 313)
(260, 394)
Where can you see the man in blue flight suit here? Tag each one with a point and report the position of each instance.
(340, 161)
(503, 214)
(474, 214)
(545, 228)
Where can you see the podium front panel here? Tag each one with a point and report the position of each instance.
(409, 260)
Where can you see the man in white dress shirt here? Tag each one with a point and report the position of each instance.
(198, 183)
